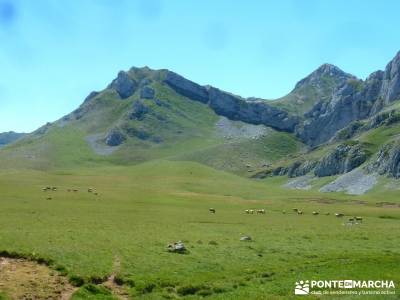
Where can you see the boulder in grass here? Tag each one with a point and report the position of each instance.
(114, 138)
(177, 247)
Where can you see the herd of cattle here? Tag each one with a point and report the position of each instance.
(54, 189)
(352, 220)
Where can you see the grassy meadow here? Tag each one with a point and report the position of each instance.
(124, 230)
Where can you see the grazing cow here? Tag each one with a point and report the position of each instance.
(251, 211)
(315, 213)
(295, 209)
(211, 210)
(339, 215)
(44, 189)
(260, 211)
(75, 190)
(49, 198)
(299, 212)
(359, 219)
(247, 211)
(351, 220)
(54, 188)
(90, 190)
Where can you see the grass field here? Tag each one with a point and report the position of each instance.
(140, 209)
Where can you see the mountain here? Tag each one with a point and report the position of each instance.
(332, 123)
(9, 137)
(316, 87)
(146, 114)
(354, 100)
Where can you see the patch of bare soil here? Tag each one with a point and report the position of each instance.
(21, 279)
(111, 283)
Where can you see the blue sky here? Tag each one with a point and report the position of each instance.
(54, 52)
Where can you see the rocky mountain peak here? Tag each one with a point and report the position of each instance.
(325, 74)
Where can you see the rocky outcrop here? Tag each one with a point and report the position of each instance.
(296, 169)
(124, 85)
(139, 110)
(390, 89)
(326, 118)
(115, 137)
(342, 159)
(147, 92)
(355, 100)
(280, 171)
(186, 87)
(385, 118)
(301, 168)
(231, 106)
(254, 112)
(387, 161)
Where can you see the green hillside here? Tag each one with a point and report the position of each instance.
(167, 126)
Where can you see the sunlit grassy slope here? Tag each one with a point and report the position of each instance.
(142, 208)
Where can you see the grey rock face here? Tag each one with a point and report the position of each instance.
(186, 87)
(300, 168)
(388, 160)
(147, 92)
(139, 110)
(254, 112)
(231, 106)
(124, 85)
(115, 138)
(355, 100)
(280, 171)
(325, 119)
(385, 118)
(342, 160)
(144, 82)
(391, 80)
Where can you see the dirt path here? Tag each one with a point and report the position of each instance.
(118, 290)
(23, 279)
